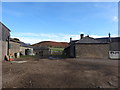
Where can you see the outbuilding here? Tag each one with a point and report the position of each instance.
(41, 52)
(88, 47)
(4, 41)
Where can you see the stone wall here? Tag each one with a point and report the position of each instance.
(5, 33)
(0, 41)
(4, 49)
(22, 50)
(114, 52)
(0, 50)
(14, 48)
(72, 51)
(92, 50)
(115, 46)
(41, 52)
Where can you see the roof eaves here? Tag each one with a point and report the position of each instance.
(5, 27)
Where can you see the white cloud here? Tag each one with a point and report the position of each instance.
(115, 18)
(59, 37)
(35, 35)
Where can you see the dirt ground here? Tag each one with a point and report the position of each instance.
(60, 73)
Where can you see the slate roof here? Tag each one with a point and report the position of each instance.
(24, 44)
(73, 41)
(89, 40)
(21, 43)
(106, 39)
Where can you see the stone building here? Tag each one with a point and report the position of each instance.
(114, 49)
(18, 48)
(41, 52)
(26, 50)
(88, 47)
(12, 46)
(14, 49)
(4, 41)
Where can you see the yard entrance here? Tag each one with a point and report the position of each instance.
(56, 52)
(60, 73)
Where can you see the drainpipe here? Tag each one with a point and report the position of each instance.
(8, 45)
(109, 37)
(110, 47)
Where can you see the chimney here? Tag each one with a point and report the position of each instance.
(87, 35)
(109, 37)
(70, 39)
(81, 36)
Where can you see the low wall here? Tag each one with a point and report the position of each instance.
(92, 50)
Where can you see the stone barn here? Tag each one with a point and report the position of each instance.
(26, 50)
(18, 48)
(114, 49)
(14, 49)
(88, 47)
(41, 52)
(4, 41)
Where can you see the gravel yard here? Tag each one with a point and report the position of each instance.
(60, 73)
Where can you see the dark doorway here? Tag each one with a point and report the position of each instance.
(15, 54)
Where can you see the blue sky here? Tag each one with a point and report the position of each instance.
(33, 22)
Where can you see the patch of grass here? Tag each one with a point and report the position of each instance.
(57, 49)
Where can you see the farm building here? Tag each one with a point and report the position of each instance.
(14, 49)
(4, 41)
(18, 48)
(88, 47)
(49, 48)
(41, 52)
(26, 49)
(11, 46)
(51, 44)
(114, 49)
